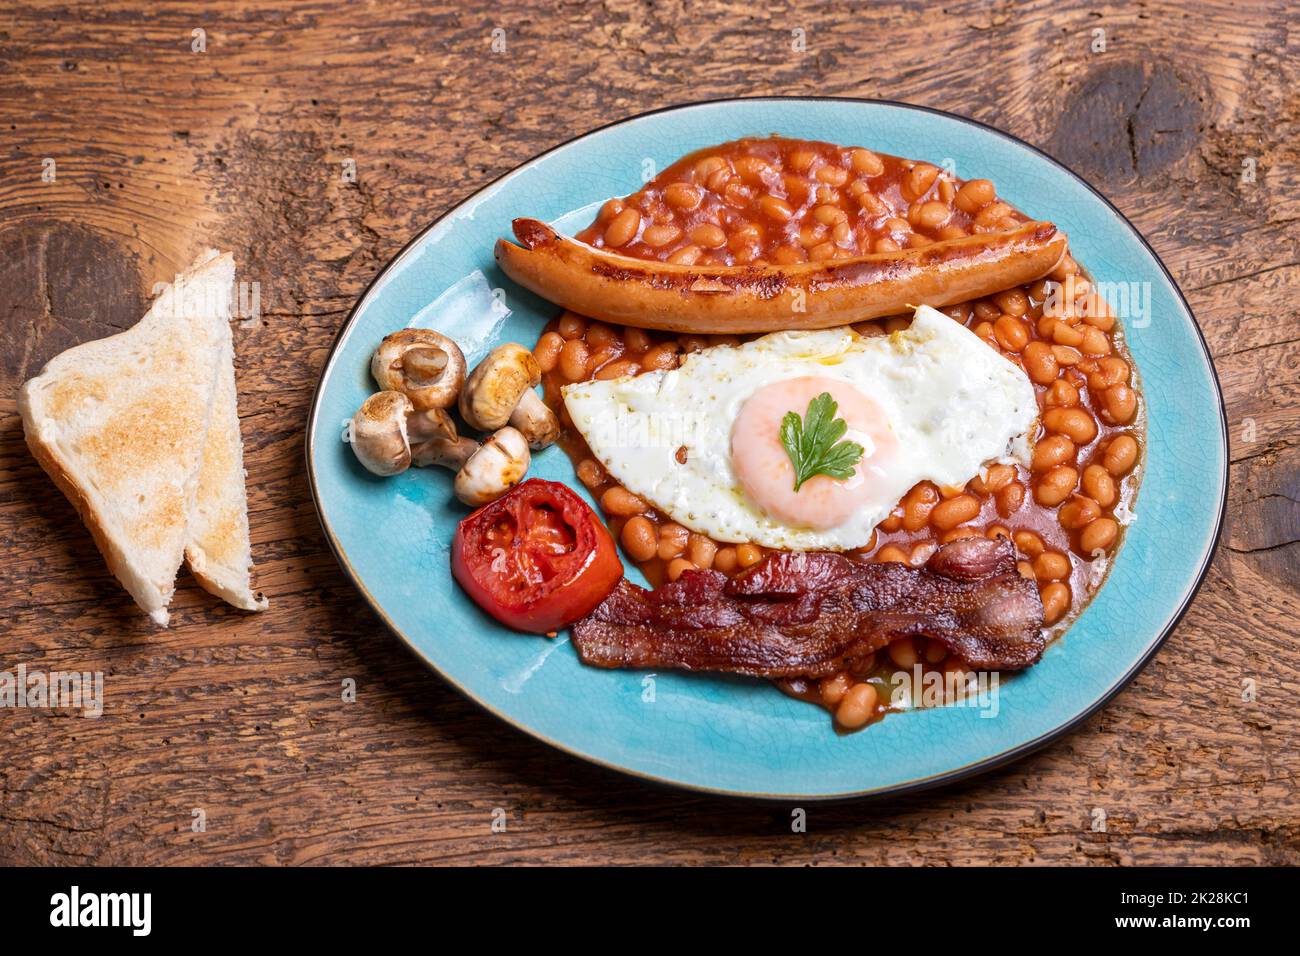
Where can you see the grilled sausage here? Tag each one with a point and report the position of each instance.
(813, 295)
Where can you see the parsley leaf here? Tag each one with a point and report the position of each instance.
(813, 442)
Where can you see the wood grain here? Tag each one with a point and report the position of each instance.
(160, 150)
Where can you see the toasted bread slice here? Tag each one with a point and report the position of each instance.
(218, 551)
(120, 425)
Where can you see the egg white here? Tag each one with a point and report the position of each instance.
(953, 403)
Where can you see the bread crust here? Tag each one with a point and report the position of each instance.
(235, 592)
(48, 458)
(218, 548)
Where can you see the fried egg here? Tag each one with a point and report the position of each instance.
(702, 442)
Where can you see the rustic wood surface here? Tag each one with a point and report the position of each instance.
(1187, 119)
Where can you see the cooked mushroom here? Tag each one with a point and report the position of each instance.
(494, 469)
(444, 452)
(500, 391)
(389, 435)
(378, 433)
(434, 441)
(424, 365)
(535, 421)
(432, 424)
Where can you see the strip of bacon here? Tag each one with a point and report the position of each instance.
(810, 615)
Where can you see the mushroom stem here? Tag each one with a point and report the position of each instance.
(535, 421)
(450, 453)
(424, 366)
(429, 425)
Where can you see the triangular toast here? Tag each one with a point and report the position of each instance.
(121, 425)
(218, 551)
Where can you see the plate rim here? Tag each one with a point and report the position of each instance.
(954, 775)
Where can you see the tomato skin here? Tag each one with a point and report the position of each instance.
(537, 559)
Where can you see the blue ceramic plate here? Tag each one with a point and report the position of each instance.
(730, 735)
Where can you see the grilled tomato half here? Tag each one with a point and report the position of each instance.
(536, 559)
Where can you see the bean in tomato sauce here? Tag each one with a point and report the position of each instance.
(784, 201)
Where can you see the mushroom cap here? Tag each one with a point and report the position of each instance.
(378, 433)
(494, 469)
(496, 384)
(426, 366)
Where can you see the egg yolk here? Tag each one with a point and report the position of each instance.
(766, 473)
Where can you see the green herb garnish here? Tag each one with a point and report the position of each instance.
(814, 445)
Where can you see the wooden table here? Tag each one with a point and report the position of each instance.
(165, 140)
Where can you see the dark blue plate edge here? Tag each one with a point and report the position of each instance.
(914, 786)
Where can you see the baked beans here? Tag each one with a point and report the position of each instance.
(789, 201)
(640, 538)
(856, 707)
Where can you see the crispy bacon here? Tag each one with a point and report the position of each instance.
(810, 615)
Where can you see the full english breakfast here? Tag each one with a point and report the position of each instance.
(845, 412)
